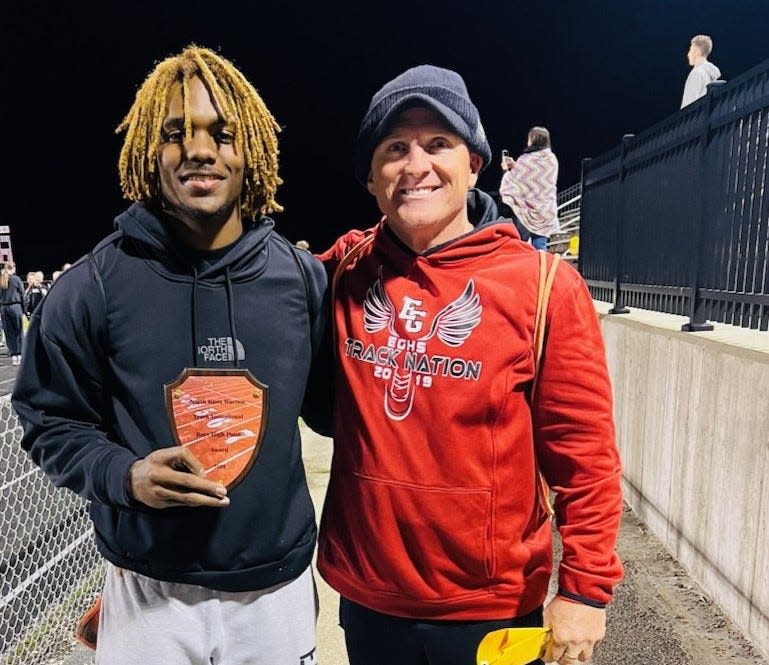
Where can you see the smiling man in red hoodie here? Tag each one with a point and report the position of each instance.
(433, 530)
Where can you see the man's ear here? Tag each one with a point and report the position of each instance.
(476, 164)
(370, 183)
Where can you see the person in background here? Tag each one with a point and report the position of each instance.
(504, 209)
(182, 327)
(703, 71)
(35, 292)
(12, 310)
(434, 530)
(529, 187)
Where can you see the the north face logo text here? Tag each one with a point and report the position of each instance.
(219, 349)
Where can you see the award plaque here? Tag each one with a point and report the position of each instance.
(220, 415)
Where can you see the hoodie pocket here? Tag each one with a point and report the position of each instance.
(422, 542)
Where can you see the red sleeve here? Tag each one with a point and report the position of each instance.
(575, 440)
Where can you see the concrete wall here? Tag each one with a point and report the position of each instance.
(692, 415)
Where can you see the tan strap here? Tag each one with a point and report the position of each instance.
(545, 285)
(546, 279)
(340, 268)
(347, 259)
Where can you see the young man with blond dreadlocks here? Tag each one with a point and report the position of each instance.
(165, 374)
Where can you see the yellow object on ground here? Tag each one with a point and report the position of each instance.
(574, 245)
(512, 646)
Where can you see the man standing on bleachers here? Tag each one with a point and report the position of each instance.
(703, 71)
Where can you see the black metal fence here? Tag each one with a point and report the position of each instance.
(676, 219)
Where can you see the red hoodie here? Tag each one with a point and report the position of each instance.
(432, 509)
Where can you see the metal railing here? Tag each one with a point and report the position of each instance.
(676, 219)
(565, 240)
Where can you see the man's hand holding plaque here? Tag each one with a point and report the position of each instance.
(172, 477)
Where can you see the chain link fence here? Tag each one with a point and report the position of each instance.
(50, 570)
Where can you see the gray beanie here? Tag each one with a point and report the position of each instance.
(440, 89)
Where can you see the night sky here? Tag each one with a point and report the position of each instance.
(589, 71)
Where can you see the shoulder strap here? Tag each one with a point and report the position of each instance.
(546, 278)
(356, 249)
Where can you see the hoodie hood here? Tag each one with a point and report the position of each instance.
(246, 259)
(698, 80)
(151, 237)
(481, 208)
(712, 71)
(490, 231)
(482, 213)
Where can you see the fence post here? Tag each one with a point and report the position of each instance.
(697, 321)
(619, 301)
(582, 165)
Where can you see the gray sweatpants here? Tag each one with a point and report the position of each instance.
(148, 622)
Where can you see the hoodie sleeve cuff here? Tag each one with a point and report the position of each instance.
(581, 599)
(112, 487)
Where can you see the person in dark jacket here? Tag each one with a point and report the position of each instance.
(12, 309)
(34, 293)
(165, 378)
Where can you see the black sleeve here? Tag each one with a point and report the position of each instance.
(319, 396)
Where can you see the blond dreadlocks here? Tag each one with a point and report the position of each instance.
(236, 101)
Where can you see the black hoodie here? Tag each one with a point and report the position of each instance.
(127, 319)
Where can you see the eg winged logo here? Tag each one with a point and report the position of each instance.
(452, 326)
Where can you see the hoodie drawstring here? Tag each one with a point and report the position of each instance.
(194, 312)
(231, 312)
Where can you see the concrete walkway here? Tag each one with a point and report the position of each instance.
(659, 614)
(316, 451)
